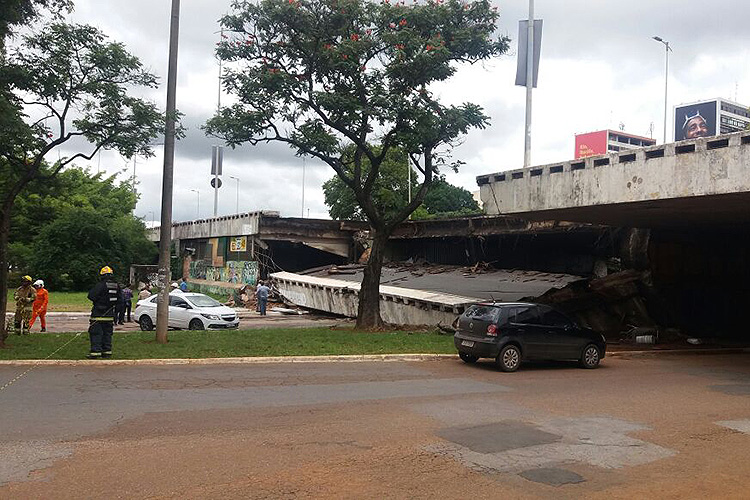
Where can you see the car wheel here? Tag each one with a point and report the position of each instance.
(509, 358)
(196, 324)
(145, 323)
(590, 356)
(468, 358)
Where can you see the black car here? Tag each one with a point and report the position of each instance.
(519, 331)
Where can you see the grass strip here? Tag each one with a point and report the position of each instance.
(227, 344)
(60, 302)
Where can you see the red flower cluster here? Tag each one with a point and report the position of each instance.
(354, 37)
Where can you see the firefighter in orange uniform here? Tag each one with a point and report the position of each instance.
(40, 305)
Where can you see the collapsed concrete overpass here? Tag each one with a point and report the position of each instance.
(701, 181)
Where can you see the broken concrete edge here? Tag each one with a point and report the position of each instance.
(322, 359)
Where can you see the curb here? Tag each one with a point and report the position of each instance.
(326, 359)
(227, 361)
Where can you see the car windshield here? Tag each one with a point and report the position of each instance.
(203, 301)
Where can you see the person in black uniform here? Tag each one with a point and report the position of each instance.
(104, 296)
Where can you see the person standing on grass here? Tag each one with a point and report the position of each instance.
(39, 309)
(104, 297)
(261, 292)
(24, 297)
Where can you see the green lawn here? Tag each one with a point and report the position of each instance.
(261, 342)
(60, 302)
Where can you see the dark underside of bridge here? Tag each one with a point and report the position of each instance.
(697, 268)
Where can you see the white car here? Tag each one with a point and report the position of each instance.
(192, 311)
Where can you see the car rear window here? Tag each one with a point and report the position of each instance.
(483, 313)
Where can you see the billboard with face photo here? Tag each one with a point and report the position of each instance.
(695, 120)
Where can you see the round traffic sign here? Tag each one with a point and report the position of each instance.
(214, 180)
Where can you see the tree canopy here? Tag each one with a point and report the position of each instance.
(391, 193)
(329, 77)
(63, 229)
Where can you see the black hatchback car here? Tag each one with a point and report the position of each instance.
(515, 332)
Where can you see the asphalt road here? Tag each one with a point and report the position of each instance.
(665, 426)
(79, 321)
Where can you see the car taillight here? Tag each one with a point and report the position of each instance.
(492, 330)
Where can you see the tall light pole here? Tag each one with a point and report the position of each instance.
(238, 192)
(529, 86)
(667, 49)
(303, 187)
(167, 185)
(198, 213)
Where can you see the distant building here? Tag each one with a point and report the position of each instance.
(607, 141)
(709, 118)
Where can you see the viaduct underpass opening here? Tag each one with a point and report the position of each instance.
(697, 278)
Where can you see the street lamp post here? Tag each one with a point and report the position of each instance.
(667, 49)
(198, 213)
(238, 192)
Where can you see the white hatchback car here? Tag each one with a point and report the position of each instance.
(193, 311)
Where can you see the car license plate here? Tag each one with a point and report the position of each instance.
(468, 343)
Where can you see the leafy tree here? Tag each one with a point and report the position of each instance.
(69, 251)
(444, 199)
(16, 12)
(329, 76)
(391, 193)
(75, 77)
(42, 216)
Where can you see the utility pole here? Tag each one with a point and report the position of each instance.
(198, 210)
(529, 86)
(165, 231)
(217, 153)
(238, 192)
(303, 187)
(667, 48)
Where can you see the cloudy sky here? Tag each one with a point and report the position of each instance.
(600, 68)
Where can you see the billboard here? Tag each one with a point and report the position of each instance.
(591, 144)
(694, 120)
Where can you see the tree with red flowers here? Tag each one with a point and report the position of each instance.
(350, 81)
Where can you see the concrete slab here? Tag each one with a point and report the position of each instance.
(499, 436)
(552, 476)
(493, 284)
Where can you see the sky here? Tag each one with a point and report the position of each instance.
(599, 68)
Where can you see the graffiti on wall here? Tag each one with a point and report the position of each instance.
(244, 272)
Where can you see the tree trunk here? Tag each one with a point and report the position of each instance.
(368, 312)
(4, 236)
